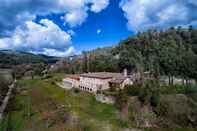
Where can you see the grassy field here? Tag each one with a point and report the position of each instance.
(41, 105)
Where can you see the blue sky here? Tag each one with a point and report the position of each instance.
(99, 30)
(66, 27)
(111, 23)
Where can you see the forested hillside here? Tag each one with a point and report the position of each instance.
(100, 59)
(172, 52)
(9, 58)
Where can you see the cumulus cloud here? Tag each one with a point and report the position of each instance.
(15, 12)
(98, 5)
(76, 17)
(45, 37)
(19, 32)
(71, 32)
(53, 52)
(145, 14)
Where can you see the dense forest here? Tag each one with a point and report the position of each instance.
(172, 52)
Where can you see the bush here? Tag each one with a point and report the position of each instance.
(132, 90)
(149, 93)
(190, 89)
(179, 109)
(155, 99)
(113, 89)
(53, 83)
(162, 109)
(76, 90)
(178, 89)
(48, 76)
(144, 95)
(121, 99)
(3, 87)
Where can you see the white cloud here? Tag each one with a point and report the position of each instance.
(78, 13)
(143, 14)
(53, 52)
(71, 32)
(18, 32)
(16, 12)
(47, 38)
(98, 5)
(98, 31)
(74, 4)
(75, 17)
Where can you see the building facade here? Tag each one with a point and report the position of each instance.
(71, 81)
(93, 82)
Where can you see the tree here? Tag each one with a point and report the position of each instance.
(121, 99)
(85, 62)
(3, 87)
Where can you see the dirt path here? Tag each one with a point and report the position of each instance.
(6, 100)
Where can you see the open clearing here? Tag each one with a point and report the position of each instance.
(41, 105)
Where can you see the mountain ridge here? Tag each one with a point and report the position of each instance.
(12, 57)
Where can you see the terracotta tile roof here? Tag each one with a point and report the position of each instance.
(101, 75)
(75, 77)
(117, 80)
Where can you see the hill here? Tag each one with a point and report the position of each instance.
(100, 59)
(9, 58)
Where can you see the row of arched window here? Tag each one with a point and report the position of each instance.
(85, 88)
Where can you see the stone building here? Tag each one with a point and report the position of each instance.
(92, 82)
(71, 81)
(96, 81)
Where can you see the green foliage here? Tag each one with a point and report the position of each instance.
(41, 102)
(179, 109)
(172, 52)
(178, 89)
(123, 124)
(148, 93)
(133, 90)
(3, 87)
(155, 99)
(121, 99)
(10, 58)
(145, 95)
(98, 60)
(76, 90)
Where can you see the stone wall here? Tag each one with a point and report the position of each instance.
(94, 84)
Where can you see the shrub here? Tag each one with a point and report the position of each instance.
(121, 99)
(76, 90)
(132, 90)
(144, 95)
(53, 83)
(113, 89)
(149, 93)
(162, 109)
(178, 89)
(3, 87)
(48, 76)
(155, 99)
